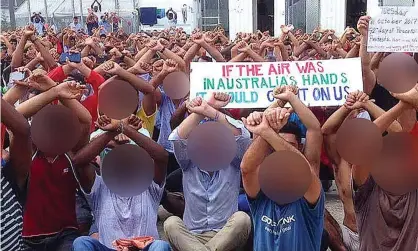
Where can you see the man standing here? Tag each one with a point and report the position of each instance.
(172, 17)
(75, 25)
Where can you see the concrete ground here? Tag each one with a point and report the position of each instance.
(333, 204)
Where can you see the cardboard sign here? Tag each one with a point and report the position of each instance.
(394, 29)
(251, 84)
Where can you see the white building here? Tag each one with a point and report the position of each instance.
(250, 15)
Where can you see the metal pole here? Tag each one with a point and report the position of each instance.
(46, 11)
(73, 7)
(30, 12)
(81, 12)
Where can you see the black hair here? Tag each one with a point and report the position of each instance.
(206, 58)
(292, 128)
(13, 40)
(103, 35)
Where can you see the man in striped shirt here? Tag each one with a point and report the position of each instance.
(14, 177)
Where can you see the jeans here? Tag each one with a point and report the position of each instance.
(58, 242)
(85, 243)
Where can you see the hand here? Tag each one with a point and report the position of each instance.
(158, 65)
(164, 42)
(198, 105)
(29, 31)
(70, 90)
(107, 124)
(356, 100)
(112, 68)
(89, 41)
(170, 66)
(277, 117)
(254, 127)
(219, 100)
(243, 47)
(121, 139)
(284, 29)
(145, 68)
(134, 122)
(269, 43)
(40, 82)
(410, 97)
(210, 37)
(285, 93)
(255, 118)
(363, 25)
(198, 38)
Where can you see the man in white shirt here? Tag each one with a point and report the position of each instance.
(75, 25)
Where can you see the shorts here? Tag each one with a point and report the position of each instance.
(350, 239)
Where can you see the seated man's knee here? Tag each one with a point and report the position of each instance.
(242, 221)
(171, 224)
(159, 245)
(82, 242)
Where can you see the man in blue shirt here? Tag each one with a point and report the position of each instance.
(298, 225)
(211, 217)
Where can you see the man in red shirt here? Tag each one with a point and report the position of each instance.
(92, 78)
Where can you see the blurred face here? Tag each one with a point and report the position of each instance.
(37, 20)
(75, 21)
(95, 8)
(291, 139)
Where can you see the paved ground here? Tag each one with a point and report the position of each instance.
(333, 204)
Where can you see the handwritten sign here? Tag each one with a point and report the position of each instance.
(320, 83)
(394, 29)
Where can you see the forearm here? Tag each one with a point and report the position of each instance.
(190, 123)
(221, 118)
(300, 50)
(354, 52)
(384, 121)
(334, 122)
(278, 143)
(191, 53)
(17, 57)
(13, 120)
(141, 52)
(255, 56)
(178, 116)
(305, 114)
(91, 150)
(31, 106)
(158, 80)
(213, 52)
(341, 52)
(146, 58)
(14, 94)
(239, 58)
(48, 59)
(375, 112)
(81, 112)
(255, 155)
(175, 57)
(156, 151)
(32, 64)
(138, 83)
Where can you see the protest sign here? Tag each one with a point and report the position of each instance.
(393, 29)
(251, 84)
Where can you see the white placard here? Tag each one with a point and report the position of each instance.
(394, 29)
(251, 84)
